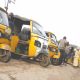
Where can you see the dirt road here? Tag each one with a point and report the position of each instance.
(21, 70)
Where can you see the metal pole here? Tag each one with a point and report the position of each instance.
(9, 1)
(6, 7)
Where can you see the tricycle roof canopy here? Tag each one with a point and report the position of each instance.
(20, 18)
(2, 10)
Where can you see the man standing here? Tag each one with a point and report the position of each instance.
(62, 46)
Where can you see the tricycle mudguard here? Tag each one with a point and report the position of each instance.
(5, 47)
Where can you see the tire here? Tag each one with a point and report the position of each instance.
(60, 61)
(55, 61)
(6, 56)
(44, 60)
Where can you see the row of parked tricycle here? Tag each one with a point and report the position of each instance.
(26, 38)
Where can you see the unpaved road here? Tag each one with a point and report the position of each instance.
(21, 70)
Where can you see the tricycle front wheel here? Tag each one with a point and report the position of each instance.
(55, 61)
(44, 60)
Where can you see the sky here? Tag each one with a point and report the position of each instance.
(62, 17)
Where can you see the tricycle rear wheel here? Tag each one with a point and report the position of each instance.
(5, 56)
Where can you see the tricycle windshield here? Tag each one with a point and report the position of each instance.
(38, 29)
(53, 38)
(3, 18)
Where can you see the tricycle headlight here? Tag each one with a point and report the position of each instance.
(53, 50)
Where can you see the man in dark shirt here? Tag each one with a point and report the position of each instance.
(62, 46)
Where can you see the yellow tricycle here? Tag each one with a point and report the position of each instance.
(5, 31)
(54, 52)
(29, 39)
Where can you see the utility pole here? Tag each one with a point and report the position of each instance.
(7, 4)
(6, 7)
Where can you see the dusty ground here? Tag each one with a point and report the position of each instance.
(21, 70)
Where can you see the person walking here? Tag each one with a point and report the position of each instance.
(62, 46)
(70, 53)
